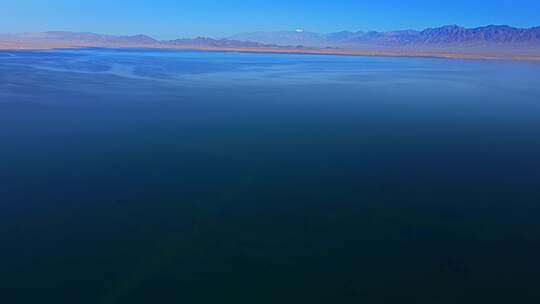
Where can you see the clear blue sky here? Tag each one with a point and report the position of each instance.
(178, 18)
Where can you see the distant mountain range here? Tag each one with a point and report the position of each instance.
(499, 40)
(450, 36)
(91, 39)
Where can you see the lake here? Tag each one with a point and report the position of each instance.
(179, 176)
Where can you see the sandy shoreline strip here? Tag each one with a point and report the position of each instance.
(30, 46)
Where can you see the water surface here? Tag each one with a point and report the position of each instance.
(144, 176)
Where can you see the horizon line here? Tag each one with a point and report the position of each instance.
(299, 30)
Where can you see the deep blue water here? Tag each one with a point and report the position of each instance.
(144, 176)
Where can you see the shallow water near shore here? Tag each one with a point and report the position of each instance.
(142, 176)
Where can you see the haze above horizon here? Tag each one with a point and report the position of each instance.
(165, 19)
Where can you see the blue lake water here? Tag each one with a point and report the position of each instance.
(146, 176)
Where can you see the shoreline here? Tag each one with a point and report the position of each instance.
(382, 53)
(447, 55)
